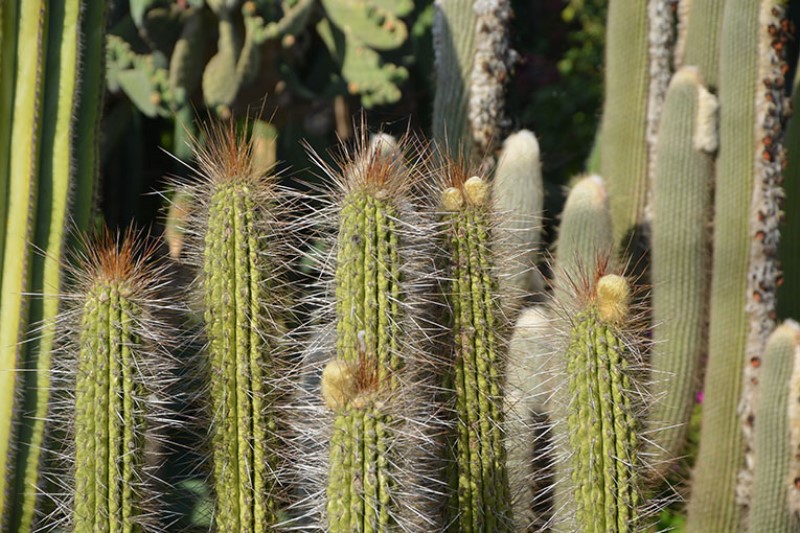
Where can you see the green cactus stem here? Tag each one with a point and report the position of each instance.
(454, 46)
(602, 427)
(117, 352)
(680, 262)
(624, 149)
(529, 400)
(45, 165)
(771, 483)
(483, 493)
(371, 388)
(244, 320)
(745, 271)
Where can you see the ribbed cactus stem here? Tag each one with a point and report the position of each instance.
(375, 462)
(243, 325)
(699, 37)
(624, 150)
(112, 402)
(367, 287)
(681, 258)
(585, 235)
(601, 418)
(483, 492)
(772, 481)
(745, 271)
(529, 398)
(518, 196)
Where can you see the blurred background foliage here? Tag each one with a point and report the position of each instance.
(304, 90)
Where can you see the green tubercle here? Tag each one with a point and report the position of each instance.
(482, 495)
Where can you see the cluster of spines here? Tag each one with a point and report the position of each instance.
(236, 234)
(482, 495)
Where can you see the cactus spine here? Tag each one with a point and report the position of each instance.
(244, 318)
(117, 352)
(770, 505)
(602, 428)
(483, 491)
(745, 268)
(375, 462)
(681, 258)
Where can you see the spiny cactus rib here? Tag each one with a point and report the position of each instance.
(244, 318)
(772, 480)
(115, 371)
(483, 490)
(681, 258)
(601, 419)
(25, 23)
(752, 110)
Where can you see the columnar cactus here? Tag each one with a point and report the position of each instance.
(518, 196)
(585, 235)
(51, 71)
(482, 492)
(242, 254)
(375, 413)
(116, 364)
(681, 259)
(624, 144)
(772, 480)
(603, 431)
(745, 270)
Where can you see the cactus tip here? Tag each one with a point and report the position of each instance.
(613, 297)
